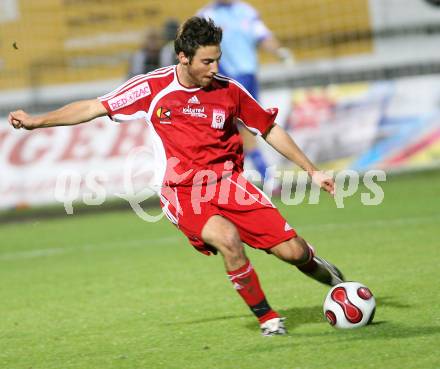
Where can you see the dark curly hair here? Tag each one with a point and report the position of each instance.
(196, 32)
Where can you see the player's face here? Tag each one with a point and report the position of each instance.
(204, 65)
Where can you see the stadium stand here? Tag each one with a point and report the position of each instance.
(48, 43)
(56, 51)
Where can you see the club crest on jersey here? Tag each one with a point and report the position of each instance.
(218, 119)
(164, 114)
(130, 96)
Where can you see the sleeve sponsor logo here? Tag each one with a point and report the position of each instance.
(130, 96)
(218, 119)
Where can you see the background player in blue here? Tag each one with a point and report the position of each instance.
(243, 33)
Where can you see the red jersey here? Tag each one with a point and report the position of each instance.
(193, 129)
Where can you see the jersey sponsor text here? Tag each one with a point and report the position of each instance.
(194, 112)
(129, 97)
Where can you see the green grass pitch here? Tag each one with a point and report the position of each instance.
(108, 290)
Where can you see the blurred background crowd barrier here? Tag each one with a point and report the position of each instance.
(364, 91)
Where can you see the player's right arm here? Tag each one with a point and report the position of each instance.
(70, 114)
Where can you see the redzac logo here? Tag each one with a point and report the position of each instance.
(130, 96)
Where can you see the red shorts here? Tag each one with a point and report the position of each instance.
(258, 221)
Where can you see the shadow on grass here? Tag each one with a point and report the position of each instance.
(298, 316)
(391, 301)
(209, 320)
(380, 330)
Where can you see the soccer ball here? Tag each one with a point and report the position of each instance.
(349, 305)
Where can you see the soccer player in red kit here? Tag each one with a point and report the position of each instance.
(192, 112)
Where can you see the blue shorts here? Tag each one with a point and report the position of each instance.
(249, 81)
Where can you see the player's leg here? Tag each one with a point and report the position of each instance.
(265, 228)
(253, 152)
(298, 252)
(209, 232)
(223, 235)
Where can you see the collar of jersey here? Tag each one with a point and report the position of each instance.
(182, 86)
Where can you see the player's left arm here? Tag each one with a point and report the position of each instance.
(270, 43)
(281, 141)
(273, 46)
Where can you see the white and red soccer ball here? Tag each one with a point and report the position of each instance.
(349, 305)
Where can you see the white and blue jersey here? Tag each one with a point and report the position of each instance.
(243, 30)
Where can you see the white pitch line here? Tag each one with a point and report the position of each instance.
(31, 254)
(378, 223)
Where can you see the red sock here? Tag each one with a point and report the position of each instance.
(246, 282)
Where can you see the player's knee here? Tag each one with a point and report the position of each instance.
(300, 251)
(230, 244)
(295, 251)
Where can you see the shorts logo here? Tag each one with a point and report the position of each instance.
(194, 112)
(130, 96)
(164, 114)
(218, 119)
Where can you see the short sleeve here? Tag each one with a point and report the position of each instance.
(261, 32)
(259, 29)
(129, 100)
(252, 114)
